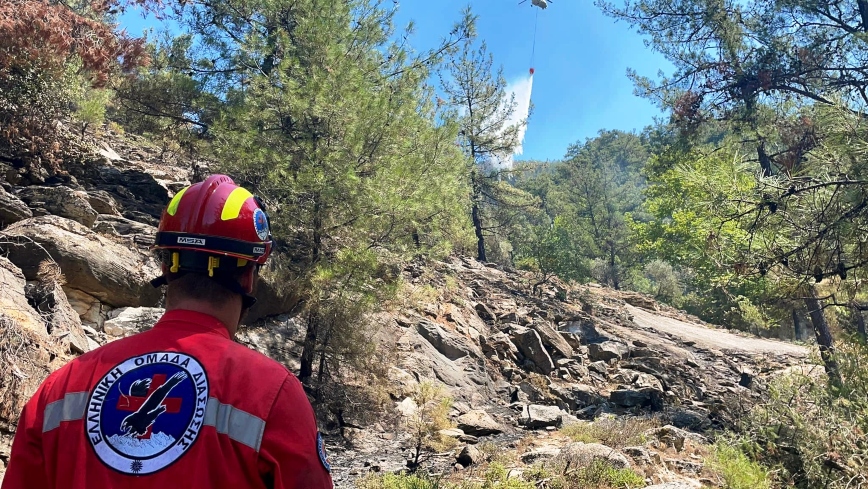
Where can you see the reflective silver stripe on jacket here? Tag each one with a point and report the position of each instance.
(70, 408)
(240, 426)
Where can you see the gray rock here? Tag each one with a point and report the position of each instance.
(51, 303)
(577, 396)
(61, 201)
(121, 226)
(553, 339)
(690, 419)
(13, 301)
(112, 273)
(452, 345)
(536, 416)
(469, 455)
(542, 453)
(12, 209)
(608, 350)
(103, 202)
(530, 345)
(600, 367)
(643, 397)
(582, 326)
(127, 321)
(499, 345)
(484, 312)
(478, 423)
(582, 454)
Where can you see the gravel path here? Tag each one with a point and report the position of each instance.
(707, 337)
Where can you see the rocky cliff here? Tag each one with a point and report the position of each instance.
(529, 371)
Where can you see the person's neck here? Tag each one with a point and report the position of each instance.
(229, 314)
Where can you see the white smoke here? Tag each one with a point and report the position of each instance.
(521, 90)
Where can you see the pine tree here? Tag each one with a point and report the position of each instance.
(487, 135)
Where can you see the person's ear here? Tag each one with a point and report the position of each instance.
(248, 279)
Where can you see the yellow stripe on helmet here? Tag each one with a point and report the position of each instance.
(173, 205)
(232, 207)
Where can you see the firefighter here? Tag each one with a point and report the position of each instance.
(182, 404)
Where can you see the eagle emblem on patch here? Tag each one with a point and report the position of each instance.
(320, 449)
(260, 223)
(147, 412)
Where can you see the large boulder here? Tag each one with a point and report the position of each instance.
(608, 350)
(478, 423)
(90, 310)
(583, 454)
(535, 416)
(103, 202)
(553, 339)
(112, 273)
(577, 396)
(531, 346)
(452, 345)
(127, 321)
(121, 226)
(642, 397)
(12, 209)
(13, 301)
(271, 300)
(61, 201)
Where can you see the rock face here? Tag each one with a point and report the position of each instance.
(478, 423)
(644, 397)
(12, 209)
(127, 321)
(101, 268)
(140, 196)
(451, 345)
(64, 322)
(531, 346)
(13, 302)
(61, 201)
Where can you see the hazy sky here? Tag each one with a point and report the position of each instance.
(581, 58)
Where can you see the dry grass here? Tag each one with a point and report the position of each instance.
(612, 432)
(25, 357)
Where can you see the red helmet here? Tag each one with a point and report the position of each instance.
(216, 217)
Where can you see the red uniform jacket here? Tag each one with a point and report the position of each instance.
(180, 405)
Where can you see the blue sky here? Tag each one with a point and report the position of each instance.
(581, 58)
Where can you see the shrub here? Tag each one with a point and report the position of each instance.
(612, 432)
(735, 469)
(431, 416)
(816, 433)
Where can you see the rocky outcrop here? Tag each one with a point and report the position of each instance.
(531, 346)
(112, 273)
(478, 423)
(553, 339)
(534, 416)
(13, 302)
(12, 209)
(60, 201)
(451, 345)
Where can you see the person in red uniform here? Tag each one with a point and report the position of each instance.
(182, 404)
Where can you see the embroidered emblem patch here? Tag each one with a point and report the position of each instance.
(147, 412)
(320, 448)
(260, 222)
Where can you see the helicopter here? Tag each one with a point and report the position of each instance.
(537, 3)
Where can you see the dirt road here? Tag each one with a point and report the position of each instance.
(707, 337)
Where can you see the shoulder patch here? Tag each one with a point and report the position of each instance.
(320, 449)
(147, 412)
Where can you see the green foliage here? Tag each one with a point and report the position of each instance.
(398, 481)
(815, 433)
(735, 469)
(431, 415)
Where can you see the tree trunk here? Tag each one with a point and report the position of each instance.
(863, 13)
(308, 352)
(765, 161)
(860, 322)
(797, 326)
(480, 239)
(823, 335)
(616, 284)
